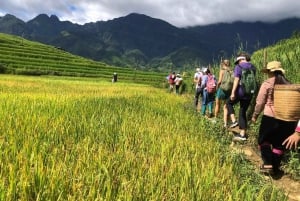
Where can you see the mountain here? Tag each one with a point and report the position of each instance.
(140, 41)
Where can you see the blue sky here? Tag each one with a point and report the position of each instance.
(180, 13)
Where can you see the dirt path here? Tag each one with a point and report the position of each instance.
(290, 186)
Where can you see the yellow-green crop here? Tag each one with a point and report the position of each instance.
(79, 139)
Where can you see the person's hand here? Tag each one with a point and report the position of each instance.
(232, 96)
(253, 119)
(292, 141)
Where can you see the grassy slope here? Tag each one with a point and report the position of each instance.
(287, 52)
(20, 56)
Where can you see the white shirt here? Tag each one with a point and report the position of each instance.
(198, 75)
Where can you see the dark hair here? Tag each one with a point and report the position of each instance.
(244, 54)
(280, 78)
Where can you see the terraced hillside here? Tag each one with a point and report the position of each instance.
(287, 52)
(23, 57)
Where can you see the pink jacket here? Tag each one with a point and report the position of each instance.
(265, 98)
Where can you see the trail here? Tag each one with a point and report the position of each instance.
(289, 186)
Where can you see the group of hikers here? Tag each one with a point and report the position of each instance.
(239, 86)
(175, 81)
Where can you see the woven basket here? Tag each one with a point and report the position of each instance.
(287, 102)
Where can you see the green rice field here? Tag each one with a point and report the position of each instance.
(85, 139)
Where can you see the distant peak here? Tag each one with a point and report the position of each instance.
(54, 17)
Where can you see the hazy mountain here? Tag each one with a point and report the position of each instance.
(141, 41)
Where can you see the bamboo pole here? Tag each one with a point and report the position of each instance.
(265, 58)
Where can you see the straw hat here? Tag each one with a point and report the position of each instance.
(273, 66)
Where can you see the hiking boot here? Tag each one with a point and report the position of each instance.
(234, 124)
(239, 137)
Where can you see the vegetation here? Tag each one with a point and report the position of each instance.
(22, 57)
(287, 52)
(77, 136)
(81, 139)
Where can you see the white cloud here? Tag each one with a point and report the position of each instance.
(177, 12)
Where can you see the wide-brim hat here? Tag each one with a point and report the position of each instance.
(273, 66)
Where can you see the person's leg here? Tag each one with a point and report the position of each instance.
(285, 129)
(225, 115)
(197, 94)
(177, 89)
(211, 100)
(171, 88)
(204, 102)
(267, 129)
(210, 108)
(244, 104)
(217, 107)
(231, 113)
(218, 102)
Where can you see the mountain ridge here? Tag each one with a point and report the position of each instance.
(140, 41)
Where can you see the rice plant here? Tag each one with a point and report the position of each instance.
(79, 139)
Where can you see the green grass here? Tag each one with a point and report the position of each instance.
(24, 57)
(81, 139)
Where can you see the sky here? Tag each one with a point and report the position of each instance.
(180, 13)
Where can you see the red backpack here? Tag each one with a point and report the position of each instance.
(211, 84)
(172, 79)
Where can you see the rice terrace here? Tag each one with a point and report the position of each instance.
(69, 133)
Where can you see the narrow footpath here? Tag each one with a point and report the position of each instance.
(289, 186)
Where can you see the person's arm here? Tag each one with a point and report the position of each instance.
(261, 100)
(294, 139)
(235, 85)
(196, 79)
(237, 74)
(220, 77)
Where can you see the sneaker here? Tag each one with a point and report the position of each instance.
(239, 137)
(234, 124)
(214, 120)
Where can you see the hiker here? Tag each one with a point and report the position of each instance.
(238, 95)
(178, 81)
(208, 95)
(171, 81)
(293, 140)
(198, 90)
(224, 87)
(115, 77)
(273, 133)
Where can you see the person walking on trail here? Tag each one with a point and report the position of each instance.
(224, 87)
(178, 81)
(198, 90)
(238, 95)
(273, 133)
(171, 80)
(208, 84)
